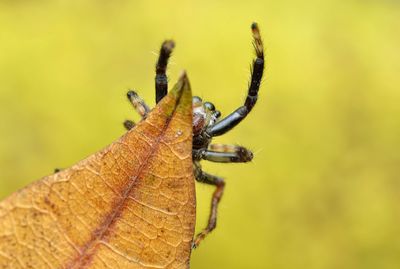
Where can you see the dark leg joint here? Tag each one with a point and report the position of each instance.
(161, 86)
(250, 102)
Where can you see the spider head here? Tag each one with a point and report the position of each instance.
(204, 115)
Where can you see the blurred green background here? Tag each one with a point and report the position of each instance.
(323, 190)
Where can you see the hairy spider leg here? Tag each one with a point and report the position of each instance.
(222, 153)
(233, 119)
(161, 79)
(139, 105)
(219, 182)
(228, 153)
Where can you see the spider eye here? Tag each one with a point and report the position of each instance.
(209, 106)
(217, 114)
(196, 101)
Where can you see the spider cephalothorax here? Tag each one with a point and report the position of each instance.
(204, 116)
(207, 124)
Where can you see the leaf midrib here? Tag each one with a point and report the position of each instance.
(84, 259)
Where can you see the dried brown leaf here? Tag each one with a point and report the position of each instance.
(130, 205)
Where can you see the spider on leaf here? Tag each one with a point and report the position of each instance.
(207, 124)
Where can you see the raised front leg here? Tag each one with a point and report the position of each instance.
(204, 177)
(161, 79)
(239, 114)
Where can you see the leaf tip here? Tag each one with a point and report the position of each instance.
(182, 87)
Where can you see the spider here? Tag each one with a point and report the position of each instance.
(207, 124)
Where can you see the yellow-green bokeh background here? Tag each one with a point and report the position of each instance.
(324, 188)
